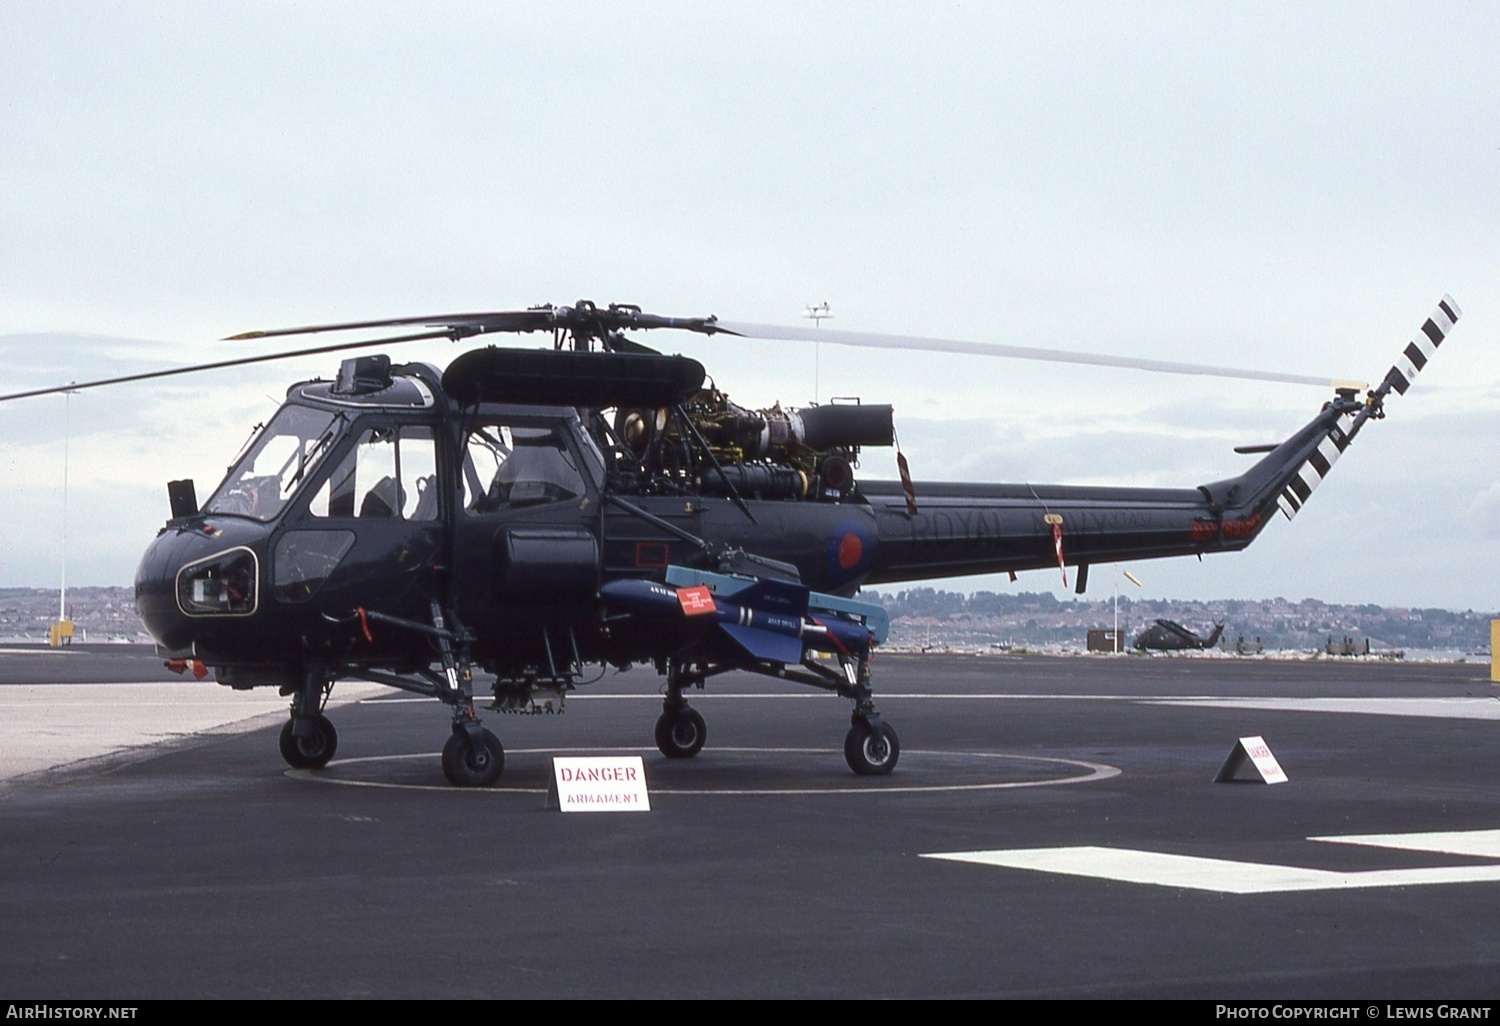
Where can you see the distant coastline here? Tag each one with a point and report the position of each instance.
(929, 618)
(923, 618)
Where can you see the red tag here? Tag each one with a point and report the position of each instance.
(696, 601)
(911, 493)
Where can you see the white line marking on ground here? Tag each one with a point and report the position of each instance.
(1094, 771)
(1229, 877)
(1483, 844)
(1440, 708)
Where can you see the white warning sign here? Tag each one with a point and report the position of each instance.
(599, 783)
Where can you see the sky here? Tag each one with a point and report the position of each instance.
(1280, 186)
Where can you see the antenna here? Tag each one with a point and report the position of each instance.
(817, 314)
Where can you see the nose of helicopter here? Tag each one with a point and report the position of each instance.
(193, 575)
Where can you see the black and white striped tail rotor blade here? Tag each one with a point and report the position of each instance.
(1319, 463)
(867, 340)
(1408, 365)
(1423, 345)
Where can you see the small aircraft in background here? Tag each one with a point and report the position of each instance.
(1171, 636)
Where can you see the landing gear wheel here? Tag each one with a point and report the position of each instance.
(313, 751)
(871, 753)
(465, 767)
(680, 735)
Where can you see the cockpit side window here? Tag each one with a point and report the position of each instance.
(279, 460)
(510, 466)
(390, 473)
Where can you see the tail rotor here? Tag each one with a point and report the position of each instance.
(1418, 352)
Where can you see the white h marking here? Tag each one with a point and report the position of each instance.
(1229, 877)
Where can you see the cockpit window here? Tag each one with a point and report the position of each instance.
(508, 466)
(390, 473)
(279, 460)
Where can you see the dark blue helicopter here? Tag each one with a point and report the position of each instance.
(527, 513)
(1171, 636)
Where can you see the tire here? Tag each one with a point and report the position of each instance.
(464, 767)
(313, 751)
(680, 735)
(871, 754)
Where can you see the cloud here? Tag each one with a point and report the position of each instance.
(1181, 183)
(1483, 513)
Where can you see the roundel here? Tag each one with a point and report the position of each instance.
(851, 545)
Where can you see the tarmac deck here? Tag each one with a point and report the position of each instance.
(1082, 847)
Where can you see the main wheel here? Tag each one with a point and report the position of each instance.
(466, 767)
(871, 753)
(313, 751)
(680, 734)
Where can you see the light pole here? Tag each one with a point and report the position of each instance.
(64, 629)
(1131, 578)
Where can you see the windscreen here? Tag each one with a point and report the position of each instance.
(280, 459)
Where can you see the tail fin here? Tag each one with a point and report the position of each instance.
(1408, 365)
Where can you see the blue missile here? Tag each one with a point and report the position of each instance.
(769, 620)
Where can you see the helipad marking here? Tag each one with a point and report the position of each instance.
(1095, 771)
(1483, 844)
(1229, 877)
(1439, 708)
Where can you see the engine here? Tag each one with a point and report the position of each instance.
(775, 453)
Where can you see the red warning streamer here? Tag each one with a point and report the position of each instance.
(905, 472)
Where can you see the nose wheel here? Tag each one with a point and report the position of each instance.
(871, 748)
(314, 747)
(680, 733)
(470, 764)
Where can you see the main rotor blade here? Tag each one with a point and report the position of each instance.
(221, 364)
(467, 324)
(586, 318)
(942, 345)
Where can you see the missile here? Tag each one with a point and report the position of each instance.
(769, 620)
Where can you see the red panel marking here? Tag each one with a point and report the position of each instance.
(696, 601)
(652, 554)
(1241, 528)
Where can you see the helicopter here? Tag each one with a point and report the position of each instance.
(529, 514)
(1171, 636)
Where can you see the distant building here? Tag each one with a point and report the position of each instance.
(1106, 640)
